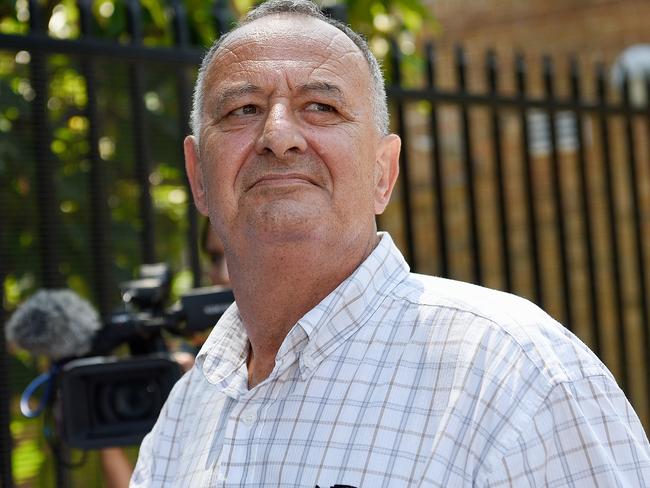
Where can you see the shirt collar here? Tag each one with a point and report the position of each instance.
(326, 326)
(225, 352)
(352, 303)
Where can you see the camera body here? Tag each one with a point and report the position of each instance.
(105, 401)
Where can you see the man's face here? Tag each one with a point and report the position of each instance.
(288, 146)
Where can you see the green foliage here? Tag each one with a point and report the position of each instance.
(28, 458)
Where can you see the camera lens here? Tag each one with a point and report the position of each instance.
(107, 401)
(129, 401)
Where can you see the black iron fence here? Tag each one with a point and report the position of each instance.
(506, 180)
(549, 196)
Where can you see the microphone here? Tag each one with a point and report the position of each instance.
(58, 324)
(61, 325)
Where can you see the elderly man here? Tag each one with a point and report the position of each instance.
(336, 367)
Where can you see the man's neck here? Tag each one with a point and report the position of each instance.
(276, 286)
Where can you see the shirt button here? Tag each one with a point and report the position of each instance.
(249, 416)
(308, 362)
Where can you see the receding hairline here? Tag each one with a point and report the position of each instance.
(239, 32)
(373, 67)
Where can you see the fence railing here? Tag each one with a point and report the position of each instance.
(554, 207)
(545, 195)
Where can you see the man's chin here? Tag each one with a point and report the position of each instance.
(292, 227)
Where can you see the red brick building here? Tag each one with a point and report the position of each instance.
(597, 30)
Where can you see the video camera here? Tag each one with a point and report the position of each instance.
(101, 400)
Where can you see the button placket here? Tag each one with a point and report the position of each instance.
(248, 416)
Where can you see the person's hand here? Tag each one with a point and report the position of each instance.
(116, 467)
(185, 359)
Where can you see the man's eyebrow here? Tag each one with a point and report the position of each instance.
(323, 87)
(232, 93)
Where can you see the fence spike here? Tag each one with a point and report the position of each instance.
(396, 62)
(601, 88)
(431, 58)
(625, 89)
(179, 24)
(491, 70)
(548, 73)
(547, 64)
(396, 59)
(557, 192)
(633, 178)
(585, 207)
(467, 157)
(36, 18)
(500, 173)
(614, 239)
(85, 17)
(134, 20)
(400, 120)
(538, 294)
(338, 12)
(520, 61)
(223, 16)
(574, 75)
(461, 64)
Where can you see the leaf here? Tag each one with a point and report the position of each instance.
(27, 460)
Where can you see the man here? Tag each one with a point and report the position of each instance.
(336, 366)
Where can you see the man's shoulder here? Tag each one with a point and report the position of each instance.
(493, 306)
(463, 296)
(495, 322)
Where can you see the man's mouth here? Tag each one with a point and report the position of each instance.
(287, 179)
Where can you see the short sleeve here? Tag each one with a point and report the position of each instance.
(584, 434)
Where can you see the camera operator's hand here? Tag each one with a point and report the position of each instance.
(184, 359)
(116, 467)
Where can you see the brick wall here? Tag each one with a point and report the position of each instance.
(597, 28)
(595, 31)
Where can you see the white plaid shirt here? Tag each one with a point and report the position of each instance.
(399, 380)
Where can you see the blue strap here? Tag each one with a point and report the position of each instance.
(46, 379)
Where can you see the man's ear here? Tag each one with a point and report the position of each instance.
(194, 174)
(386, 170)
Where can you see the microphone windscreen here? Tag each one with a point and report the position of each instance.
(55, 323)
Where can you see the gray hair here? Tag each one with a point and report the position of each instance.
(308, 9)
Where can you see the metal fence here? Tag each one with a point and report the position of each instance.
(522, 188)
(562, 156)
(90, 57)
(550, 193)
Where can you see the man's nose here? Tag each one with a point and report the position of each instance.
(281, 133)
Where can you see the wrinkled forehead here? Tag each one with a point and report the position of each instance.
(285, 37)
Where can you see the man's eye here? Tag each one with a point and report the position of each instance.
(320, 107)
(245, 110)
